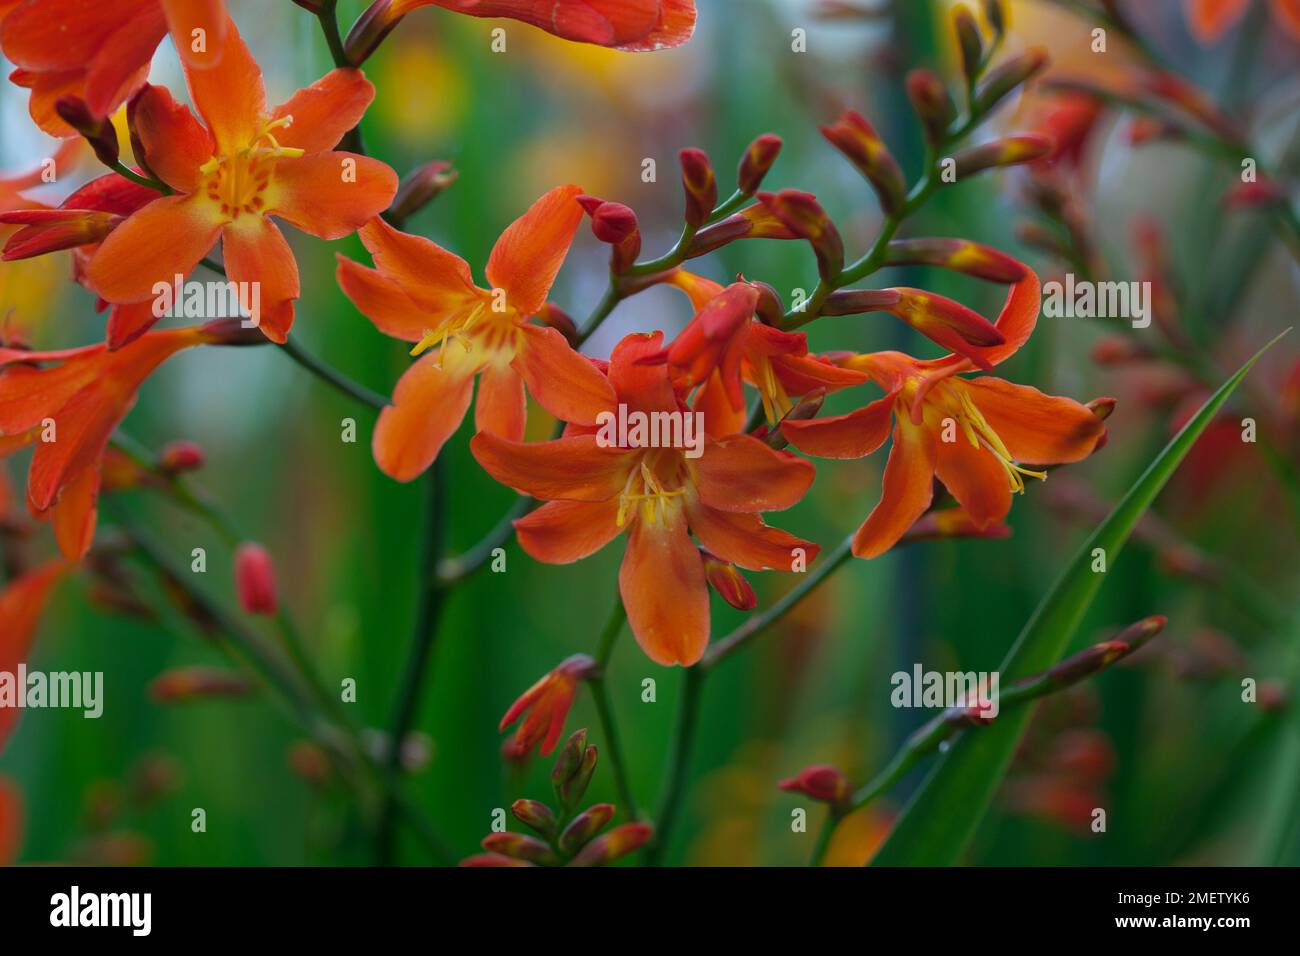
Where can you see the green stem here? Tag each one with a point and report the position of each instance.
(605, 712)
(678, 763)
(334, 378)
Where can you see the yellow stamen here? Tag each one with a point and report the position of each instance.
(980, 434)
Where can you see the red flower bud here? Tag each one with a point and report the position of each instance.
(803, 215)
(618, 842)
(615, 224)
(192, 683)
(519, 846)
(1011, 151)
(758, 159)
(573, 770)
(51, 230)
(700, 184)
(968, 41)
(97, 130)
(731, 585)
(255, 579)
(821, 782)
(1006, 77)
(552, 315)
(421, 187)
(959, 255)
(585, 826)
(940, 319)
(179, 457)
(858, 140)
(954, 523)
(547, 704)
(933, 105)
(535, 814)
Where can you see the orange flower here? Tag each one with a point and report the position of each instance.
(631, 25)
(68, 411)
(248, 164)
(596, 489)
(1211, 19)
(99, 50)
(21, 605)
(972, 433)
(547, 704)
(723, 346)
(420, 292)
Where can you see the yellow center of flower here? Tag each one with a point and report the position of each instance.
(776, 402)
(492, 334)
(981, 435)
(238, 181)
(654, 488)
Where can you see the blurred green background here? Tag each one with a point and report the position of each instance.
(1183, 767)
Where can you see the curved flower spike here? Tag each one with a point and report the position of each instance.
(99, 50)
(230, 177)
(972, 433)
(421, 293)
(596, 488)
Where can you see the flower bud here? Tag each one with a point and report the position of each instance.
(1257, 195)
(585, 826)
(954, 523)
(1102, 407)
(1011, 151)
(732, 586)
(933, 105)
(537, 815)
(1112, 350)
(179, 457)
(193, 683)
(552, 315)
(308, 760)
(769, 308)
(806, 407)
(753, 222)
(97, 130)
(420, 187)
(959, 255)
(701, 186)
(969, 42)
(758, 159)
(255, 579)
(618, 842)
(821, 782)
(805, 218)
(573, 770)
(993, 13)
(615, 224)
(520, 846)
(1100, 656)
(1006, 77)
(492, 860)
(546, 705)
(370, 29)
(52, 230)
(858, 140)
(938, 318)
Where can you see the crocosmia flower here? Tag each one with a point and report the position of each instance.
(421, 293)
(545, 705)
(659, 496)
(248, 164)
(68, 411)
(973, 433)
(99, 50)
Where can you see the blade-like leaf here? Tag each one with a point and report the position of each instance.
(941, 817)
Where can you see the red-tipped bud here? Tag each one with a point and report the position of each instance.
(803, 215)
(309, 761)
(1103, 408)
(179, 457)
(1006, 77)
(485, 860)
(1111, 350)
(195, 683)
(959, 255)
(932, 103)
(536, 815)
(585, 826)
(858, 140)
(552, 315)
(519, 846)
(1257, 195)
(969, 42)
(954, 523)
(758, 159)
(420, 187)
(1100, 656)
(939, 319)
(701, 186)
(807, 407)
(618, 842)
(1011, 151)
(97, 130)
(573, 770)
(52, 230)
(615, 224)
(821, 782)
(725, 578)
(754, 222)
(996, 18)
(255, 579)
(769, 309)
(547, 704)
(371, 28)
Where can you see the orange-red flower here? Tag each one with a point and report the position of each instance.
(972, 433)
(632, 25)
(420, 292)
(21, 606)
(1210, 19)
(99, 50)
(547, 705)
(68, 411)
(724, 346)
(596, 488)
(250, 163)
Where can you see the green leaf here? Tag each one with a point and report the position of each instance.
(942, 815)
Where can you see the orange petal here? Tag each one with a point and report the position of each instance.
(527, 257)
(1016, 321)
(382, 301)
(908, 490)
(29, 395)
(563, 382)
(574, 469)
(1210, 19)
(311, 192)
(976, 479)
(642, 387)
(712, 401)
(801, 374)
(21, 606)
(122, 60)
(741, 473)
(256, 251)
(75, 514)
(502, 406)
(126, 323)
(436, 279)
(665, 592)
(745, 540)
(1036, 428)
(1287, 12)
(62, 34)
(853, 435)
(175, 143)
(428, 406)
(229, 96)
(184, 17)
(156, 243)
(325, 111)
(561, 532)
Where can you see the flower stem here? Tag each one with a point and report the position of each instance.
(678, 763)
(335, 379)
(604, 710)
